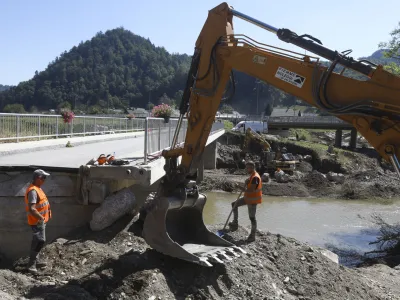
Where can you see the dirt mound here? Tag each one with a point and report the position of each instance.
(290, 189)
(226, 156)
(117, 264)
(219, 183)
(316, 179)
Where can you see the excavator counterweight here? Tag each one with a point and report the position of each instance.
(174, 222)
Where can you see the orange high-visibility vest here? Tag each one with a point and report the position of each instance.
(256, 196)
(42, 205)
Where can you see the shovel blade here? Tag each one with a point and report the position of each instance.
(175, 227)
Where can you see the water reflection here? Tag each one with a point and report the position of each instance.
(317, 221)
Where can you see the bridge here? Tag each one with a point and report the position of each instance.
(307, 122)
(75, 193)
(141, 147)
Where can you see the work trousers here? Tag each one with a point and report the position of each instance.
(252, 209)
(38, 238)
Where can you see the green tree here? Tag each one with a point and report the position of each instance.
(178, 96)
(269, 109)
(228, 125)
(14, 108)
(393, 68)
(392, 47)
(150, 106)
(64, 105)
(33, 109)
(226, 109)
(166, 100)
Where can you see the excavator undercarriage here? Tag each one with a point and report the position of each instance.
(174, 222)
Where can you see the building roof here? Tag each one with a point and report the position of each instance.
(285, 112)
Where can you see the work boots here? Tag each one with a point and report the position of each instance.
(252, 236)
(31, 267)
(35, 262)
(234, 225)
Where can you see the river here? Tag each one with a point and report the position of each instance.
(321, 222)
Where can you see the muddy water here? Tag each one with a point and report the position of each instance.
(321, 222)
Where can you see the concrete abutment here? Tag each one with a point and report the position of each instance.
(210, 156)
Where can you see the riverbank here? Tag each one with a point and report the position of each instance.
(117, 264)
(342, 174)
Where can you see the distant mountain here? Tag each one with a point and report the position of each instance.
(4, 87)
(115, 69)
(378, 58)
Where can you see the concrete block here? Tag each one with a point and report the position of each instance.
(329, 254)
(58, 184)
(210, 156)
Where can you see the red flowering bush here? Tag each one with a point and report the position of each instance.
(68, 116)
(161, 111)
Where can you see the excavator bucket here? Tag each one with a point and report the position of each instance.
(175, 227)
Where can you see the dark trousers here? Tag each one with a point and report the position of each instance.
(38, 239)
(252, 209)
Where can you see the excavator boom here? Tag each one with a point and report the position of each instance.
(174, 225)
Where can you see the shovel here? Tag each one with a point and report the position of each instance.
(221, 233)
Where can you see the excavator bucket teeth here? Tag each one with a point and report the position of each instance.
(175, 227)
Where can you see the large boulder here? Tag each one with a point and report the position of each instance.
(335, 177)
(281, 176)
(265, 177)
(113, 207)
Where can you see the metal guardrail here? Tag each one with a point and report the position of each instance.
(159, 135)
(305, 119)
(16, 127)
(291, 119)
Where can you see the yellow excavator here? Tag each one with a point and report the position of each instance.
(174, 223)
(270, 161)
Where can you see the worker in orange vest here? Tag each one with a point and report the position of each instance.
(252, 197)
(38, 211)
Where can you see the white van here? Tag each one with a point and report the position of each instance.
(257, 126)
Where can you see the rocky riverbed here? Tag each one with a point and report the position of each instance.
(341, 174)
(116, 263)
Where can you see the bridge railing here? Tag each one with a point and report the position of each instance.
(17, 127)
(159, 135)
(305, 119)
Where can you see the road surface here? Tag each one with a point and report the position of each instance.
(78, 155)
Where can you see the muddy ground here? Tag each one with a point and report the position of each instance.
(365, 175)
(117, 264)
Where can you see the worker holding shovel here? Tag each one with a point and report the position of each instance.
(252, 197)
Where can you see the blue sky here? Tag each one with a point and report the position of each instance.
(33, 33)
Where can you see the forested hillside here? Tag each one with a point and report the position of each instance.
(115, 69)
(118, 69)
(4, 87)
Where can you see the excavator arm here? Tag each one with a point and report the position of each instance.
(175, 225)
(250, 136)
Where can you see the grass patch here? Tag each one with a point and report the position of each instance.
(303, 134)
(228, 125)
(342, 156)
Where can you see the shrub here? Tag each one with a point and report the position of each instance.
(228, 125)
(161, 111)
